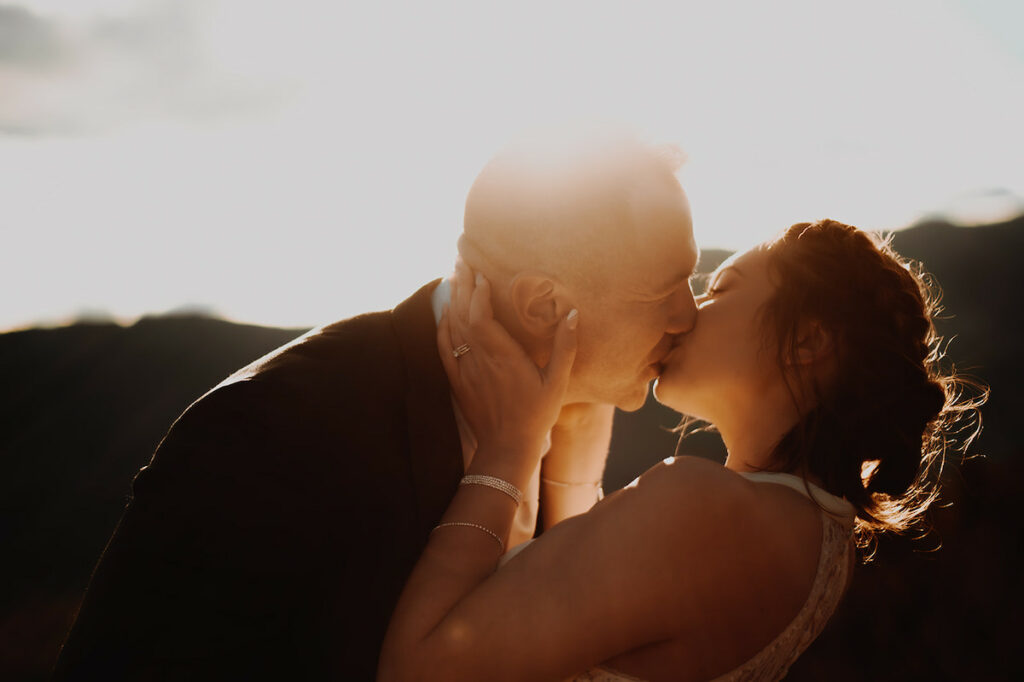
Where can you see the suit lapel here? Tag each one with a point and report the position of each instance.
(434, 446)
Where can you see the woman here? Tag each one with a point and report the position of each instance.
(816, 359)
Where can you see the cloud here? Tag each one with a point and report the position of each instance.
(28, 41)
(64, 74)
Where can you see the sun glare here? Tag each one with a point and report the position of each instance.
(290, 165)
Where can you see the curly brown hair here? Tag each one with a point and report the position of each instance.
(886, 419)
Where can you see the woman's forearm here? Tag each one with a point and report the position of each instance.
(560, 502)
(572, 471)
(456, 560)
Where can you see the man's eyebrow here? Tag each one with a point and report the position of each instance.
(682, 278)
(677, 282)
(685, 274)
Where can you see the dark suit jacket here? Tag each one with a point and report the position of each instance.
(273, 531)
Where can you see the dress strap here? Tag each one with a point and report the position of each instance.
(836, 507)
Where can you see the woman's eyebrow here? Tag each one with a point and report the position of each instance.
(734, 268)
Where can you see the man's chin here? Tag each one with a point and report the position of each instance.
(635, 400)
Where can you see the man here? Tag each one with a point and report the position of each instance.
(273, 531)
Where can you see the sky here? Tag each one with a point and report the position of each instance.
(290, 164)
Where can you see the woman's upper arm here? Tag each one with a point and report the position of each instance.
(591, 588)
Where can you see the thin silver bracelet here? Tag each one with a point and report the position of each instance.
(467, 524)
(562, 484)
(569, 485)
(494, 482)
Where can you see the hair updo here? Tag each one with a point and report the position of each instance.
(887, 414)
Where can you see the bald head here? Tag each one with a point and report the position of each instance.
(569, 207)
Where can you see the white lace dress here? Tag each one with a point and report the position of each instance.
(774, 660)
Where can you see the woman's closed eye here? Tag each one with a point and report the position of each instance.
(722, 283)
(716, 287)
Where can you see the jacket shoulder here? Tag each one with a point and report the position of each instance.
(340, 347)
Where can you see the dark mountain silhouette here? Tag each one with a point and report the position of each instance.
(81, 410)
(83, 407)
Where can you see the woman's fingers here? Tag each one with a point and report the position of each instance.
(446, 346)
(462, 289)
(480, 302)
(556, 373)
(471, 305)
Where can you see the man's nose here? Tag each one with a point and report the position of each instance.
(684, 313)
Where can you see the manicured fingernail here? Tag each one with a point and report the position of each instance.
(572, 318)
(479, 279)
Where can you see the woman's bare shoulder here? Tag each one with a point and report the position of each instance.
(722, 540)
(689, 516)
(685, 484)
(701, 500)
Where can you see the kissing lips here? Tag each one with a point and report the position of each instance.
(666, 347)
(666, 360)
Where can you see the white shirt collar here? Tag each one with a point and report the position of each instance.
(441, 297)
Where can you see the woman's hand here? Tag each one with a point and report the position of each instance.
(509, 402)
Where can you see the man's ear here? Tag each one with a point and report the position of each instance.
(537, 303)
(813, 344)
